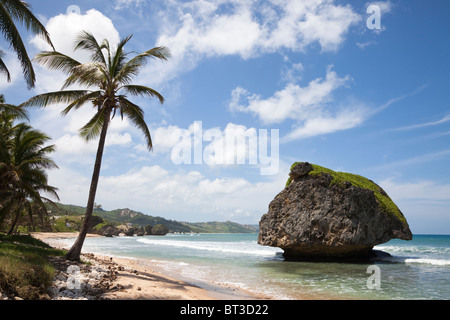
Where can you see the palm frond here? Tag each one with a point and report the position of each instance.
(81, 101)
(93, 128)
(87, 74)
(85, 40)
(133, 66)
(21, 11)
(137, 90)
(136, 115)
(105, 45)
(14, 111)
(12, 36)
(56, 61)
(45, 99)
(119, 57)
(4, 68)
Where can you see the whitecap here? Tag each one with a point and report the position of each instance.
(224, 247)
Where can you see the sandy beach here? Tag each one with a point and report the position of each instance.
(136, 279)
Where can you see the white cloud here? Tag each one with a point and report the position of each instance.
(424, 203)
(293, 102)
(70, 144)
(14, 68)
(307, 106)
(157, 191)
(64, 28)
(363, 45)
(166, 138)
(120, 4)
(248, 29)
(385, 6)
(314, 126)
(416, 191)
(445, 119)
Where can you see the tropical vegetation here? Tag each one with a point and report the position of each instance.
(24, 159)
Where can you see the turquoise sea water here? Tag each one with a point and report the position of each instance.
(418, 269)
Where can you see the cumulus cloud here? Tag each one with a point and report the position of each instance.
(175, 195)
(199, 29)
(293, 102)
(253, 26)
(157, 191)
(308, 107)
(63, 29)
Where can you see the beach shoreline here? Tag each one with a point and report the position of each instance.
(138, 279)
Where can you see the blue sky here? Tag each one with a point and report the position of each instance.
(369, 101)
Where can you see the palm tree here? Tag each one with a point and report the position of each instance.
(110, 73)
(10, 110)
(12, 11)
(23, 161)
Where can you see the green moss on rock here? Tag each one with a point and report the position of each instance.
(340, 178)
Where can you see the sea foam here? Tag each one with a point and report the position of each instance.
(244, 247)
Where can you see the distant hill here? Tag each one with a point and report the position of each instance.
(220, 227)
(123, 216)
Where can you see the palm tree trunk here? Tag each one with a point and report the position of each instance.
(75, 251)
(14, 222)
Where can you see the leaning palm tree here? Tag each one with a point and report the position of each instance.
(110, 73)
(12, 11)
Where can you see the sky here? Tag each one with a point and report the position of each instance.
(355, 86)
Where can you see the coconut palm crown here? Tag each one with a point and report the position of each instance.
(110, 74)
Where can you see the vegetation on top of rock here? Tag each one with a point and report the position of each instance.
(340, 178)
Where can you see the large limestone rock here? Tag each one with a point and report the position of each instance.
(327, 215)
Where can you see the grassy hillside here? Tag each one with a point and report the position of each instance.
(220, 227)
(122, 216)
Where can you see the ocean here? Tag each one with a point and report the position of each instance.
(417, 269)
